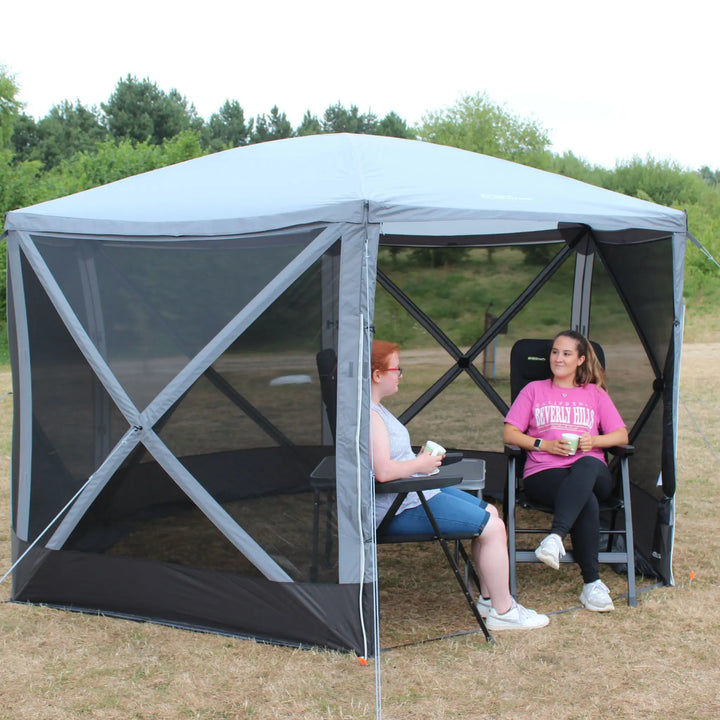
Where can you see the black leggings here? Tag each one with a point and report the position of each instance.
(573, 493)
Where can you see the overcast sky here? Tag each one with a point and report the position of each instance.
(607, 80)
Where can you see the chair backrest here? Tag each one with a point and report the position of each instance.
(326, 361)
(530, 360)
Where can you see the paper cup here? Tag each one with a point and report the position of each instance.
(572, 440)
(434, 448)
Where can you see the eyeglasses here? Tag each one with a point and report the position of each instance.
(399, 370)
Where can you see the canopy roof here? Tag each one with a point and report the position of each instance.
(334, 178)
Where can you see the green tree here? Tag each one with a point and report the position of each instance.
(570, 165)
(310, 125)
(140, 111)
(20, 186)
(18, 180)
(271, 127)
(66, 130)
(659, 181)
(338, 119)
(25, 137)
(10, 106)
(710, 177)
(478, 124)
(184, 146)
(393, 125)
(227, 128)
(112, 160)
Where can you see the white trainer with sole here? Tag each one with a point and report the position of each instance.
(596, 596)
(516, 618)
(550, 551)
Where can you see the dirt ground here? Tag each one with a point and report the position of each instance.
(661, 659)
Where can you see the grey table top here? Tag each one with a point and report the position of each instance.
(472, 471)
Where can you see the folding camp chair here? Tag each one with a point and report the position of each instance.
(450, 473)
(529, 360)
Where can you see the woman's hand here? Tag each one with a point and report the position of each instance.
(557, 447)
(427, 463)
(564, 448)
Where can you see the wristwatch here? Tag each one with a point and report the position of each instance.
(537, 443)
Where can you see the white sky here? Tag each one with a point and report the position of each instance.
(608, 80)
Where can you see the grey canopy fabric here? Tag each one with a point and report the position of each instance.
(163, 332)
(343, 178)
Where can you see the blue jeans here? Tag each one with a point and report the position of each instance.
(454, 511)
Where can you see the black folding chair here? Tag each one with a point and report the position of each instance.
(323, 479)
(529, 360)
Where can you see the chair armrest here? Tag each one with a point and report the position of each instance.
(413, 484)
(622, 450)
(452, 457)
(619, 450)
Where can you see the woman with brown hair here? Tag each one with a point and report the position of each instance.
(571, 481)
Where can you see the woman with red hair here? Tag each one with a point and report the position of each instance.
(454, 509)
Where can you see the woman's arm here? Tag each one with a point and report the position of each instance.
(386, 469)
(515, 436)
(607, 416)
(617, 437)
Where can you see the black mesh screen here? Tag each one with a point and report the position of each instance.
(249, 430)
(75, 424)
(150, 306)
(650, 301)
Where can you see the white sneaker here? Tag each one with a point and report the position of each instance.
(551, 550)
(484, 606)
(516, 618)
(596, 596)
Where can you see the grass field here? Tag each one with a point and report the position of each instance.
(660, 659)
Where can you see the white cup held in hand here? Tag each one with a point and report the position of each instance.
(434, 448)
(572, 440)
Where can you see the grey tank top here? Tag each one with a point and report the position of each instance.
(400, 449)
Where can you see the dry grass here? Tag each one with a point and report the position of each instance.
(659, 659)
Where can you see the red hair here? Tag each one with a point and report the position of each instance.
(381, 352)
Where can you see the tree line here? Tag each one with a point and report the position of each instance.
(142, 127)
(140, 112)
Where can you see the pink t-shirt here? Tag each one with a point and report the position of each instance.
(544, 410)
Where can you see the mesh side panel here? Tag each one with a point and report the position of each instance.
(150, 306)
(652, 299)
(74, 421)
(250, 431)
(628, 372)
(630, 375)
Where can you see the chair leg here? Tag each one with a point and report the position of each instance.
(510, 524)
(463, 585)
(629, 540)
(456, 570)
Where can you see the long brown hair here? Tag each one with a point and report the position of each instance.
(381, 352)
(591, 371)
